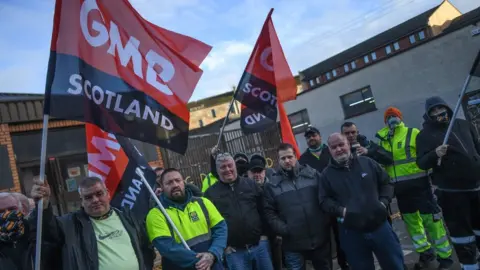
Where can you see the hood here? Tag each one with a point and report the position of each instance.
(166, 202)
(432, 102)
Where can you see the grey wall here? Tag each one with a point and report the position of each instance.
(438, 67)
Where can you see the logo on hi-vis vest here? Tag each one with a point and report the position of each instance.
(193, 216)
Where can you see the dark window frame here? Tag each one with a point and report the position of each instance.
(305, 118)
(200, 123)
(349, 112)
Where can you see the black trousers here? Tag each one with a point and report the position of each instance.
(461, 212)
(341, 258)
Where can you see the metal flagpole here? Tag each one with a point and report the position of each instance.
(455, 111)
(43, 159)
(152, 193)
(226, 117)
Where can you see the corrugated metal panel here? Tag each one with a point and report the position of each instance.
(17, 108)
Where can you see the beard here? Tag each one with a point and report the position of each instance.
(342, 158)
(177, 195)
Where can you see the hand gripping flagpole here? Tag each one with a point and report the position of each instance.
(474, 71)
(152, 193)
(43, 159)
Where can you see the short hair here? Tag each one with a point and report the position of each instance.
(347, 124)
(284, 147)
(336, 134)
(159, 169)
(222, 157)
(168, 170)
(90, 182)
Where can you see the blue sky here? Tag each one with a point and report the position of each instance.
(309, 30)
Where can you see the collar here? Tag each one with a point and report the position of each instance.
(107, 215)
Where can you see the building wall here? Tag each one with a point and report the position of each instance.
(438, 67)
(6, 139)
(442, 17)
(205, 114)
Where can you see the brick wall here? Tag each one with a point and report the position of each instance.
(6, 139)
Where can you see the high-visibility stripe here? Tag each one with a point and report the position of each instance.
(469, 266)
(444, 249)
(441, 240)
(419, 237)
(405, 161)
(476, 232)
(408, 153)
(459, 190)
(199, 239)
(463, 240)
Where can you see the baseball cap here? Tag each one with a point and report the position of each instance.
(257, 164)
(311, 130)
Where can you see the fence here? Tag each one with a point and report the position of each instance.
(195, 165)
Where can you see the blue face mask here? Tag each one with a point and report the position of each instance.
(392, 122)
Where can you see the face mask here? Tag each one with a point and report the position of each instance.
(242, 167)
(441, 117)
(11, 225)
(393, 121)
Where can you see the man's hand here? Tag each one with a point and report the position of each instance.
(361, 151)
(40, 191)
(441, 150)
(215, 150)
(206, 261)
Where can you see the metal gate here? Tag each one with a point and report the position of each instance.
(195, 164)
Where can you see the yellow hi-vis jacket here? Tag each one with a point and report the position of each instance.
(402, 145)
(208, 182)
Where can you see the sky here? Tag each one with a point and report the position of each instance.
(309, 31)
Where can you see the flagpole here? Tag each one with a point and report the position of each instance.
(43, 159)
(236, 90)
(455, 111)
(152, 193)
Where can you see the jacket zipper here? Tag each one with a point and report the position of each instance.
(303, 208)
(236, 200)
(460, 141)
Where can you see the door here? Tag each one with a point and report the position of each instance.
(72, 170)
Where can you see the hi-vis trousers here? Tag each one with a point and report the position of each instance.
(461, 211)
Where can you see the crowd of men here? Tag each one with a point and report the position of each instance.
(248, 216)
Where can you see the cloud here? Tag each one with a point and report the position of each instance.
(309, 30)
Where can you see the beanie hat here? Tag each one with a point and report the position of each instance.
(392, 111)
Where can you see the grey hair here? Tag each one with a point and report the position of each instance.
(221, 158)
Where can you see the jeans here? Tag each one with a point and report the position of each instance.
(360, 247)
(321, 258)
(246, 258)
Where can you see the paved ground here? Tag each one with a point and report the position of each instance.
(410, 255)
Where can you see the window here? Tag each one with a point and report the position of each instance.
(148, 151)
(200, 123)
(421, 35)
(299, 121)
(388, 49)
(318, 80)
(334, 72)
(358, 102)
(232, 110)
(374, 56)
(329, 76)
(214, 115)
(354, 66)
(312, 83)
(412, 39)
(345, 67)
(396, 46)
(365, 59)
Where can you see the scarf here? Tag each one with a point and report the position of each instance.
(12, 225)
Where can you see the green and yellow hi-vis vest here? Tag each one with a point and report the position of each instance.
(402, 145)
(208, 182)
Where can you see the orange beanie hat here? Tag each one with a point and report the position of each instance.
(392, 111)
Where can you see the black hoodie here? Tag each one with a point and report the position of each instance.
(460, 167)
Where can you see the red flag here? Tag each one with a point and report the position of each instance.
(266, 83)
(286, 129)
(107, 60)
(115, 160)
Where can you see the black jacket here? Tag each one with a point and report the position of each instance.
(240, 205)
(307, 158)
(460, 167)
(361, 189)
(21, 254)
(292, 209)
(375, 151)
(74, 237)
